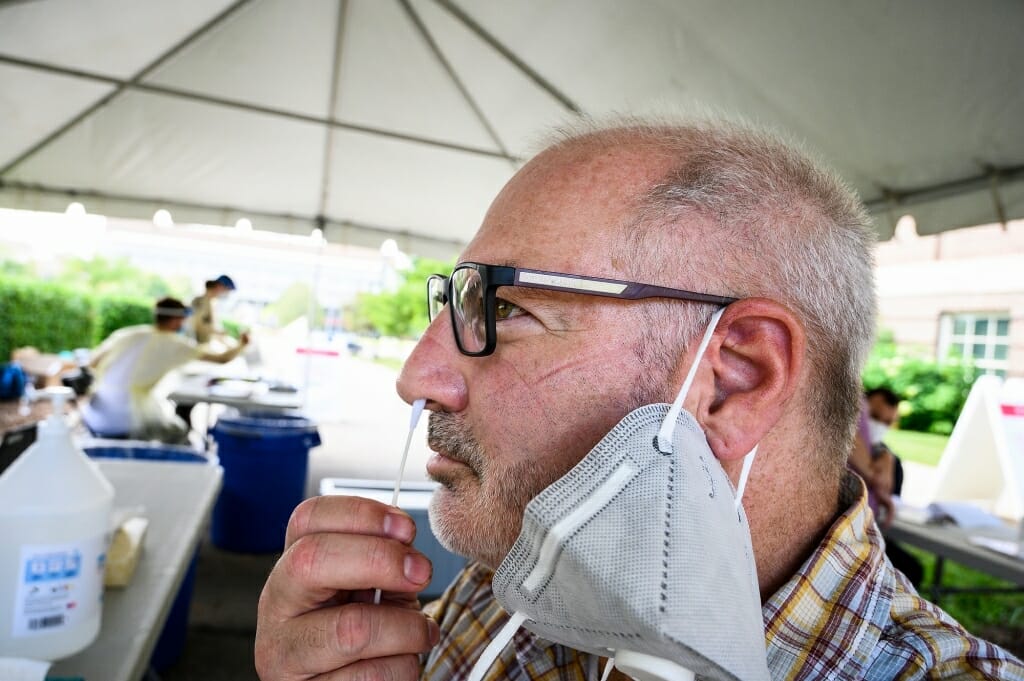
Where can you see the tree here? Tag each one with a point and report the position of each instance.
(403, 312)
(295, 302)
(933, 392)
(117, 277)
(15, 268)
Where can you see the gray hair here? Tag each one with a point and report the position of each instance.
(771, 222)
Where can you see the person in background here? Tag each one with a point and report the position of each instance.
(204, 327)
(125, 401)
(883, 413)
(875, 471)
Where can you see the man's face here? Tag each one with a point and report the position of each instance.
(882, 411)
(566, 367)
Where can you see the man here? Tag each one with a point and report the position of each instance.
(702, 208)
(130, 363)
(204, 326)
(883, 412)
(873, 463)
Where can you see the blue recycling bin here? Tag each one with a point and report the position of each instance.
(265, 459)
(172, 637)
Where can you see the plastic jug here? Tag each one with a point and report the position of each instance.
(55, 508)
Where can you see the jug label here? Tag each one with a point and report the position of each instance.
(59, 585)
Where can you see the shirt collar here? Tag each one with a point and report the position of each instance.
(833, 610)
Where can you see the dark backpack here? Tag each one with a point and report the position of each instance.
(12, 381)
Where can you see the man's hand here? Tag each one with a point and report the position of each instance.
(316, 613)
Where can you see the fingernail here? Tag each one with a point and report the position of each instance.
(433, 631)
(399, 526)
(417, 568)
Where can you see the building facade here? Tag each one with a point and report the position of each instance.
(957, 293)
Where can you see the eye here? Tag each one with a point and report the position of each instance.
(504, 309)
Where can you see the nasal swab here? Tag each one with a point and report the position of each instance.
(414, 418)
(417, 409)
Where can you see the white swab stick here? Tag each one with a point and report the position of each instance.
(417, 409)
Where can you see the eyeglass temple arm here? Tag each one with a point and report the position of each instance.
(611, 288)
(637, 291)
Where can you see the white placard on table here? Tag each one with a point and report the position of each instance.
(984, 459)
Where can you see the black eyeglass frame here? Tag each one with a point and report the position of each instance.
(494, 276)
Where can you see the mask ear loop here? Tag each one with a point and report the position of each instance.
(748, 461)
(668, 426)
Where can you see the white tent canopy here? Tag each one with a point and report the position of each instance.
(376, 118)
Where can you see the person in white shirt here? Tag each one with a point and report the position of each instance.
(128, 366)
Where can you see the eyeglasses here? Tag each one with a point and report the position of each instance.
(470, 295)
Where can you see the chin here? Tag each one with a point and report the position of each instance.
(467, 530)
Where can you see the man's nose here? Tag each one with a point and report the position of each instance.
(433, 370)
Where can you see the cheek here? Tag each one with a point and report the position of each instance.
(551, 418)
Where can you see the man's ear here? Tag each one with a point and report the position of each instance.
(751, 369)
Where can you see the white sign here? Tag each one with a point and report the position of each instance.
(984, 459)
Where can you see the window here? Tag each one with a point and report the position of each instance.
(982, 337)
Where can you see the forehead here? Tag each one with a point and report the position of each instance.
(568, 209)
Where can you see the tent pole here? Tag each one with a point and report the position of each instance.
(997, 201)
(508, 54)
(246, 106)
(30, 188)
(332, 103)
(450, 70)
(941, 190)
(134, 80)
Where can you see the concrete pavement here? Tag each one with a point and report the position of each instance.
(363, 423)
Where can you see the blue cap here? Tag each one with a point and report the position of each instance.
(225, 280)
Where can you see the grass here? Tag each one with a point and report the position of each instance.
(995, 617)
(923, 448)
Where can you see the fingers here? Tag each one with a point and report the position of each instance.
(314, 615)
(317, 566)
(352, 639)
(398, 668)
(349, 515)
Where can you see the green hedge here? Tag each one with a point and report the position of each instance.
(52, 318)
(933, 393)
(113, 313)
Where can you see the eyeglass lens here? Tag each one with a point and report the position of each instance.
(436, 295)
(468, 309)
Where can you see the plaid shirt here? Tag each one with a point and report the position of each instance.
(846, 614)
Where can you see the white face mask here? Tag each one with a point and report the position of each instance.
(641, 552)
(877, 431)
